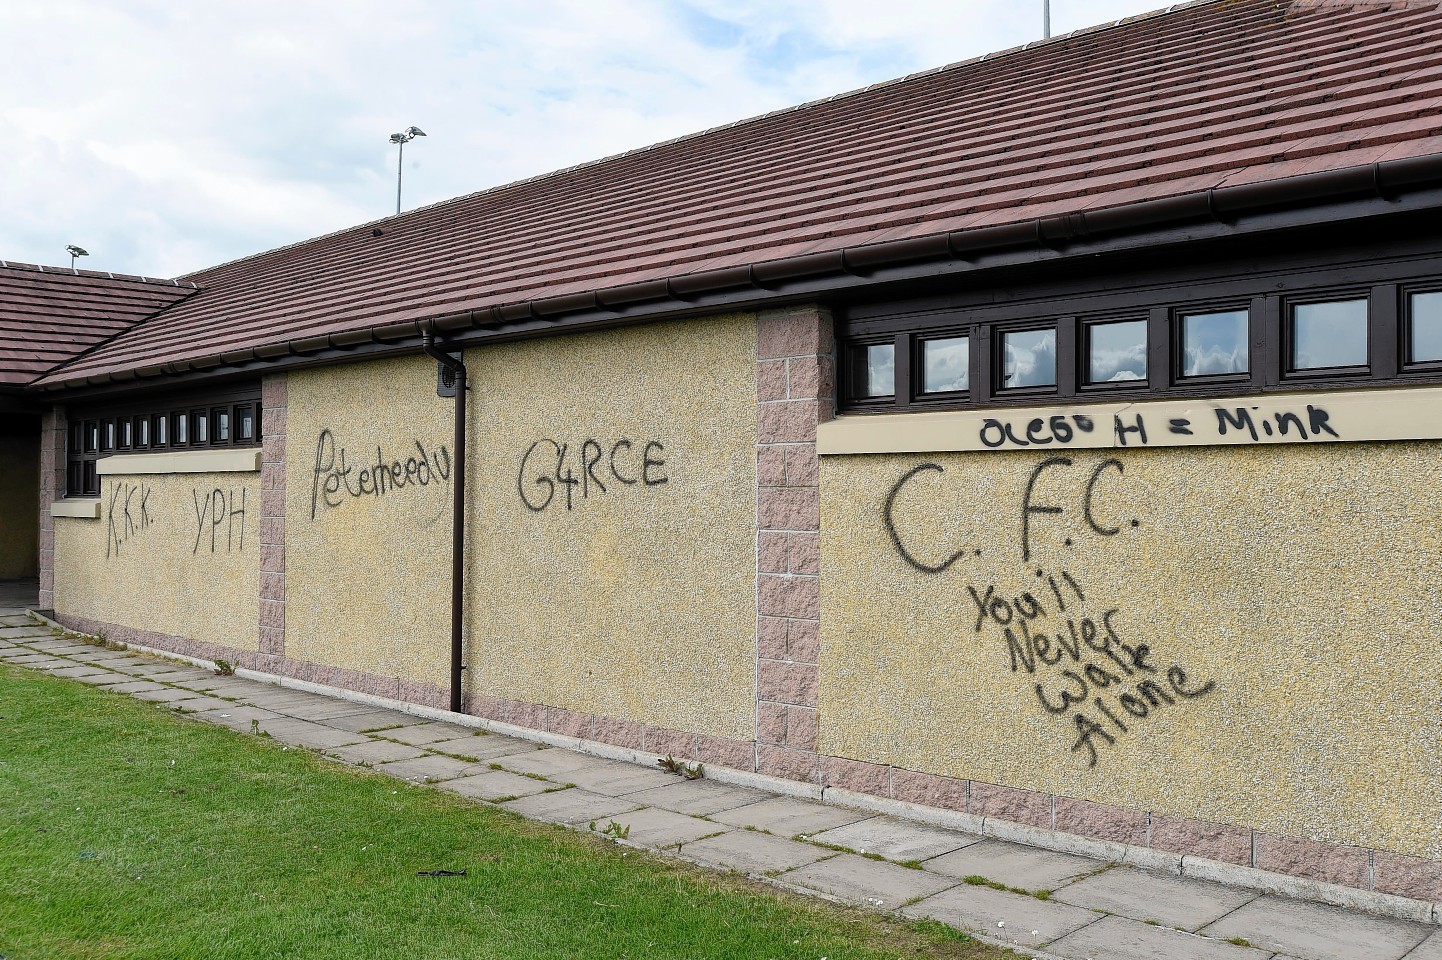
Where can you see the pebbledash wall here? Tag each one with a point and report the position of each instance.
(1215, 649)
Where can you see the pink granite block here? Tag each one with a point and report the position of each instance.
(1313, 859)
(1101, 821)
(856, 775)
(1198, 838)
(790, 764)
(1011, 803)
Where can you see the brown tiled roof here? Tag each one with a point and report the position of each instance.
(49, 315)
(1205, 96)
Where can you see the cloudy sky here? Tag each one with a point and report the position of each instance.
(169, 135)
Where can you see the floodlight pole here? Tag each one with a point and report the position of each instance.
(1046, 19)
(400, 160)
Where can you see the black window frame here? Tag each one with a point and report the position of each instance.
(89, 426)
(1266, 298)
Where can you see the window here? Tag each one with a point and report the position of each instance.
(1214, 344)
(1028, 359)
(229, 417)
(1196, 337)
(1116, 352)
(946, 365)
(1328, 334)
(1424, 328)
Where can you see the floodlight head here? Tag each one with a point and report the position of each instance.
(75, 251)
(415, 131)
(398, 138)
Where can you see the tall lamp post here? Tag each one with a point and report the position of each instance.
(1046, 19)
(400, 140)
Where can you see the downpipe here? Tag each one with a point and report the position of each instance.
(458, 512)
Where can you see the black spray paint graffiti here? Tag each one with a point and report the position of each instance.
(546, 469)
(127, 514)
(1095, 517)
(1103, 682)
(333, 476)
(1132, 431)
(215, 509)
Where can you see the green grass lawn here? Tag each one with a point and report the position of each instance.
(127, 831)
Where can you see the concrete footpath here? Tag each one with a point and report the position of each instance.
(1044, 903)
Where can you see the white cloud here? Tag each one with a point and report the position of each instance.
(166, 137)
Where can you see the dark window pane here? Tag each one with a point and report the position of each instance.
(946, 365)
(75, 479)
(77, 437)
(127, 436)
(876, 370)
(201, 434)
(91, 482)
(142, 431)
(245, 423)
(92, 436)
(162, 435)
(109, 435)
(1426, 320)
(181, 421)
(1329, 334)
(1214, 343)
(1117, 352)
(220, 424)
(1028, 359)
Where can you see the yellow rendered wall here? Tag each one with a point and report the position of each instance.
(367, 573)
(1299, 582)
(19, 504)
(637, 602)
(177, 554)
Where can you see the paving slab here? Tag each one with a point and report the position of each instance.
(23, 631)
(747, 851)
(483, 747)
(219, 685)
(428, 767)
(1173, 901)
(896, 839)
(166, 695)
(372, 720)
(1319, 932)
(303, 733)
(1121, 938)
(324, 709)
(134, 686)
(237, 717)
(1010, 916)
(494, 786)
(555, 763)
(155, 670)
(664, 828)
(787, 816)
(699, 798)
(570, 806)
(43, 661)
(617, 780)
(1429, 949)
(427, 732)
(868, 882)
(78, 671)
(1014, 865)
(371, 752)
(104, 678)
(178, 674)
(199, 703)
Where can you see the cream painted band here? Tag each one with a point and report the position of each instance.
(186, 461)
(83, 509)
(1322, 417)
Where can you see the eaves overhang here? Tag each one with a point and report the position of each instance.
(1326, 197)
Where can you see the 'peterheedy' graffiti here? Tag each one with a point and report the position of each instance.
(334, 478)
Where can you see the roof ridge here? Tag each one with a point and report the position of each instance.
(698, 134)
(93, 274)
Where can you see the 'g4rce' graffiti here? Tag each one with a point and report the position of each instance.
(333, 477)
(215, 509)
(549, 467)
(127, 514)
(1086, 667)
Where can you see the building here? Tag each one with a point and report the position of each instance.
(1050, 437)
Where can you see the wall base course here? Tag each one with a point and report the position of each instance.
(1298, 857)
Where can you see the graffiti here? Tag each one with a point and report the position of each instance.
(551, 469)
(127, 514)
(1229, 424)
(1082, 664)
(1097, 518)
(215, 509)
(333, 478)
